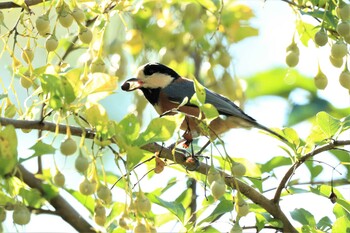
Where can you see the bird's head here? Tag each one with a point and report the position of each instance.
(151, 76)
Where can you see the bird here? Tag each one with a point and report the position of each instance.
(166, 90)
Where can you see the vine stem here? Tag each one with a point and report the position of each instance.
(271, 206)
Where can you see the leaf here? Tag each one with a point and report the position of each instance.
(32, 197)
(117, 209)
(324, 224)
(224, 206)
(304, 217)
(210, 112)
(292, 136)
(342, 224)
(99, 86)
(175, 208)
(199, 95)
(306, 32)
(86, 201)
(275, 162)
(328, 124)
(160, 129)
(129, 128)
(41, 148)
(8, 149)
(208, 5)
(135, 155)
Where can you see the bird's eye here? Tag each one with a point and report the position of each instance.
(149, 70)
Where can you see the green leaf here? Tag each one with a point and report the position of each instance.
(200, 94)
(260, 221)
(325, 224)
(224, 206)
(8, 149)
(129, 128)
(41, 148)
(328, 124)
(50, 191)
(32, 197)
(275, 162)
(135, 155)
(117, 209)
(306, 32)
(292, 136)
(175, 208)
(86, 201)
(304, 217)
(208, 4)
(60, 90)
(210, 112)
(160, 129)
(342, 224)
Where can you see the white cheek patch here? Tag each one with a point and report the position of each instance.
(157, 80)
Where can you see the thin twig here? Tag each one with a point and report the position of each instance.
(329, 146)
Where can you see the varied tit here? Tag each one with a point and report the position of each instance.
(165, 90)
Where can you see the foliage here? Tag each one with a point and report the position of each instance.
(68, 56)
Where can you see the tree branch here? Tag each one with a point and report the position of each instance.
(329, 146)
(270, 206)
(8, 5)
(62, 207)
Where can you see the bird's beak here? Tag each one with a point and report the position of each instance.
(132, 84)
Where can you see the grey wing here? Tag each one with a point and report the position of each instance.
(226, 106)
(179, 90)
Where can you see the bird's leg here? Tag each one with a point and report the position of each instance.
(187, 135)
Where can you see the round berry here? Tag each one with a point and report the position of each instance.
(343, 28)
(292, 59)
(78, 14)
(218, 188)
(336, 62)
(321, 37)
(242, 208)
(51, 43)
(28, 55)
(81, 163)
(238, 169)
(97, 65)
(213, 175)
(42, 24)
(65, 19)
(86, 187)
(140, 228)
(100, 220)
(344, 79)
(320, 80)
(59, 179)
(85, 35)
(142, 204)
(339, 49)
(68, 146)
(105, 194)
(21, 214)
(343, 11)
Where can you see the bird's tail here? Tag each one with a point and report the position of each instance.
(259, 126)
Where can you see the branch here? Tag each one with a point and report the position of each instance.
(63, 208)
(270, 206)
(8, 5)
(329, 146)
